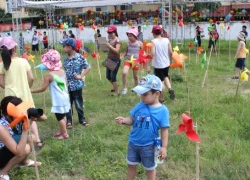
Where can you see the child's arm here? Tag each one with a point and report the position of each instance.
(124, 120)
(80, 76)
(238, 50)
(164, 138)
(170, 52)
(47, 80)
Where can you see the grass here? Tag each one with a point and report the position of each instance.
(99, 150)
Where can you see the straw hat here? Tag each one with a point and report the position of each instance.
(241, 36)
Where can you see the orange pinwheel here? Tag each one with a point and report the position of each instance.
(19, 113)
(199, 50)
(188, 127)
(85, 54)
(27, 47)
(142, 58)
(144, 46)
(149, 45)
(177, 61)
(25, 56)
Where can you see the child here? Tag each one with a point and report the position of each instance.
(240, 55)
(74, 64)
(133, 48)
(244, 30)
(35, 42)
(21, 44)
(147, 117)
(56, 80)
(45, 41)
(65, 35)
(162, 58)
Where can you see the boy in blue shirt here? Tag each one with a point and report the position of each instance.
(147, 117)
(74, 64)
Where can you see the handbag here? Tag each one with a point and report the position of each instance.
(108, 63)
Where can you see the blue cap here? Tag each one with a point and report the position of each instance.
(147, 83)
(69, 42)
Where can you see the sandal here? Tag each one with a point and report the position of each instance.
(112, 90)
(57, 134)
(40, 144)
(31, 164)
(69, 126)
(5, 176)
(65, 136)
(85, 123)
(235, 77)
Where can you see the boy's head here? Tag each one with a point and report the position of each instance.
(44, 33)
(139, 28)
(70, 32)
(244, 28)
(157, 30)
(69, 45)
(35, 32)
(149, 88)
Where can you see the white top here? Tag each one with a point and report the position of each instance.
(161, 58)
(35, 39)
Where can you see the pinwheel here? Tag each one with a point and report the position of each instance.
(41, 67)
(191, 45)
(199, 50)
(176, 49)
(132, 61)
(181, 23)
(210, 28)
(25, 56)
(203, 60)
(188, 127)
(31, 57)
(244, 75)
(223, 26)
(228, 27)
(141, 59)
(144, 46)
(78, 44)
(247, 51)
(149, 45)
(94, 27)
(19, 113)
(94, 55)
(59, 82)
(177, 61)
(27, 47)
(39, 33)
(85, 54)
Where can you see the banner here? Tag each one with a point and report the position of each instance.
(7, 27)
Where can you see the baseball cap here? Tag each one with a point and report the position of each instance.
(8, 42)
(112, 28)
(147, 83)
(69, 42)
(157, 29)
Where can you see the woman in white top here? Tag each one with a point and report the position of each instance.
(162, 59)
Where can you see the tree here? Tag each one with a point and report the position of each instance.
(213, 6)
(4, 17)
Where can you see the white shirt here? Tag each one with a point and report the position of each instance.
(161, 59)
(35, 39)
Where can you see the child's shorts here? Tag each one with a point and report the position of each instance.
(136, 67)
(143, 154)
(240, 63)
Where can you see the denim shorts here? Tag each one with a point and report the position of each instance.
(143, 154)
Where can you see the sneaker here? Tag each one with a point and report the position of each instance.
(124, 91)
(171, 94)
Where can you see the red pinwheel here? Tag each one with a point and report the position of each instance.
(228, 27)
(94, 27)
(142, 59)
(188, 127)
(190, 44)
(78, 44)
(27, 47)
(93, 54)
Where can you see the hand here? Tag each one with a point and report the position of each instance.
(235, 58)
(77, 76)
(148, 69)
(163, 153)
(108, 45)
(119, 120)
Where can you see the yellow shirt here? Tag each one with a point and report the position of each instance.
(242, 52)
(16, 79)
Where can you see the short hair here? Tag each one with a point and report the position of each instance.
(244, 26)
(9, 99)
(44, 32)
(35, 31)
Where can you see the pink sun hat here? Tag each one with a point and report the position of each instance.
(7, 42)
(52, 60)
(133, 31)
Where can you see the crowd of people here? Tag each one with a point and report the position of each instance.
(65, 82)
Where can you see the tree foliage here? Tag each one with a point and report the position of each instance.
(213, 6)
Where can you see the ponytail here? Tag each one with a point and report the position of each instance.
(6, 56)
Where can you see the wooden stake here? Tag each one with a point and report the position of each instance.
(197, 157)
(97, 60)
(207, 66)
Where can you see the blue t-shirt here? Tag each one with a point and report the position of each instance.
(147, 120)
(75, 65)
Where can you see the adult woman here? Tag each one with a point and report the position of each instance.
(114, 45)
(16, 77)
(14, 148)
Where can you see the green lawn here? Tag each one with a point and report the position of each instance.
(99, 150)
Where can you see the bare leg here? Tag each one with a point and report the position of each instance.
(124, 76)
(162, 92)
(170, 90)
(131, 172)
(115, 85)
(151, 174)
(62, 125)
(34, 130)
(237, 72)
(16, 160)
(136, 77)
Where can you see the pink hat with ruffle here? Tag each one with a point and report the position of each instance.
(7, 42)
(133, 31)
(52, 60)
